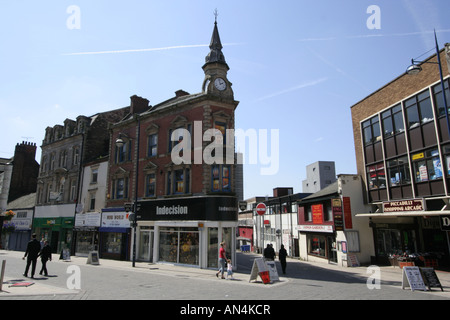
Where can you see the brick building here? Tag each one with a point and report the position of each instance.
(64, 149)
(187, 203)
(402, 150)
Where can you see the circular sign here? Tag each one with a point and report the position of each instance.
(261, 209)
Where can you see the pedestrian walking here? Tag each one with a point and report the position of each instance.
(282, 256)
(45, 254)
(222, 259)
(33, 249)
(229, 269)
(269, 253)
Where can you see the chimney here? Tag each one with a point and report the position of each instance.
(181, 93)
(138, 104)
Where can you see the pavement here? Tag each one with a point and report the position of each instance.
(389, 275)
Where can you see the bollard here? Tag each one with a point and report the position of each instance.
(2, 275)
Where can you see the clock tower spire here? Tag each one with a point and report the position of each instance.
(216, 67)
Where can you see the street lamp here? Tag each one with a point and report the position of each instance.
(415, 68)
(135, 207)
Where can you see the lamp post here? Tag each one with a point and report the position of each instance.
(120, 143)
(415, 68)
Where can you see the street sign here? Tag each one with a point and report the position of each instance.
(261, 209)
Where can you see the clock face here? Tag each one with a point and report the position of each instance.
(220, 84)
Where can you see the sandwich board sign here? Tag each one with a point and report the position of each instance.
(273, 272)
(93, 258)
(430, 278)
(260, 268)
(412, 277)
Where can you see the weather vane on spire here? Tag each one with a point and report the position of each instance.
(216, 14)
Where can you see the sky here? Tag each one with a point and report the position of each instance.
(296, 67)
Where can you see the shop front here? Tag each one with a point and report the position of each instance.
(405, 233)
(18, 239)
(58, 231)
(114, 233)
(86, 235)
(187, 231)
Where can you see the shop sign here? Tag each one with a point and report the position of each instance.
(212, 208)
(445, 223)
(315, 228)
(115, 220)
(347, 213)
(89, 219)
(317, 213)
(403, 205)
(336, 206)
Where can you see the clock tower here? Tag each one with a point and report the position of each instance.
(216, 69)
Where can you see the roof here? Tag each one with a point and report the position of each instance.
(326, 192)
(23, 202)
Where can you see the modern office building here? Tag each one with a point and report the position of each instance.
(402, 146)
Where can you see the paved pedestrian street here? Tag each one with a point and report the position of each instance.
(118, 280)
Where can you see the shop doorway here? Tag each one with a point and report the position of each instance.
(332, 253)
(145, 252)
(54, 241)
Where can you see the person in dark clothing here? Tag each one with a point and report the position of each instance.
(33, 249)
(282, 256)
(45, 254)
(269, 253)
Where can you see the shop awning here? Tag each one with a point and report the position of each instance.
(405, 214)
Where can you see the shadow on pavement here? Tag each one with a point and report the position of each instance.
(306, 271)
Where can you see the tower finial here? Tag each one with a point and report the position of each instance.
(216, 14)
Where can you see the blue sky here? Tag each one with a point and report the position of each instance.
(296, 66)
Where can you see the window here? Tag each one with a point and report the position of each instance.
(447, 158)
(73, 190)
(123, 153)
(439, 98)
(152, 145)
(221, 178)
(317, 245)
(398, 171)
(120, 188)
(52, 161)
(76, 155)
(94, 175)
(392, 121)
(63, 159)
(371, 130)
(427, 166)
(419, 110)
(222, 127)
(150, 185)
(376, 176)
(92, 201)
(178, 135)
(178, 181)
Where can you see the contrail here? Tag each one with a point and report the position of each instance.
(301, 86)
(143, 50)
(374, 35)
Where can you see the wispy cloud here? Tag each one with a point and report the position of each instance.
(144, 50)
(378, 35)
(298, 87)
(339, 70)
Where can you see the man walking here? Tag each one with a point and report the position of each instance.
(33, 249)
(282, 256)
(45, 254)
